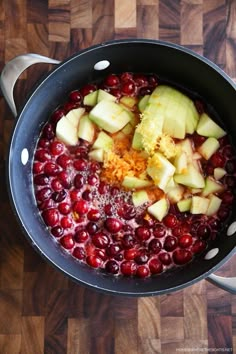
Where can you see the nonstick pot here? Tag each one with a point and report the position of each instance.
(173, 63)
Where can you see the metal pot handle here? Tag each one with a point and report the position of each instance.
(12, 71)
(228, 284)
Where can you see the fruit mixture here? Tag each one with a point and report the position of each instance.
(132, 176)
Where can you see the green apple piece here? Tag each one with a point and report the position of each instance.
(86, 129)
(191, 178)
(91, 98)
(103, 141)
(130, 182)
(181, 162)
(170, 184)
(109, 116)
(139, 198)
(209, 147)
(128, 129)
(74, 116)
(103, 95)
(214, 205)
(199, 205)
(128, 101)
(137, 141)
(184, 205)
(207, 127)
(175, 194)
(160, 170)
(159, 209)
(186, 147)
(143, 103)
(66, 132)
(212, 186)
(97, 155)
(192, 118)
(219, 173)
(196, 190)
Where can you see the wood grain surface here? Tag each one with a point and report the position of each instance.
(41, 311)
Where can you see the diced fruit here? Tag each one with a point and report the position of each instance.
(212, 186)
(128, 101)
(184, 205)
(219, 173)
(192, 118)
(143, 103)
(66, 132)
(97, 155)
(207, 127)
(74, 116)
(160, 170)
(208, 148)
(175, 194)
(186, 146)
(128, 129)
(103, 141)
(191, 178)
(180, 162)
(199, 205)
(139, 198)
(159, 209)
(110, 116)
(91, 98)
(86, 129)
(135, 183)
(196, 190)
(214, 205)
(103, 95)
(137, 141)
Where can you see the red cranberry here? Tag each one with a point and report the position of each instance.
(79, 181)
(199, 246)
(37, 167)
(142, 233)
(67, 241)
(48, 132)
(108, 209)
(141, 257)
(64, 160)
(218, 160)
(51, 169)
(159, 231)
(230, 181)
(43, 143)
(100, 240)
(145, 91)
(154, 246)
(140, 80)
(47, 204)
(42, 155)
(153, 81)
(185, 241)
(94, 166)
(170, 221)
(56, 148)
(79, 253)
(41, 180)
(143, 271)
(57, 115)
(204, 231)
(164, 257)
(75, 96)
(66, 222)
(92, 227)
(198, 139)
(59, 196)
(112, 267)
(228, 151)
(181, 256)
(103, 188)
(128, 88)
(130, 254)
(155, 266)
(231, 166)
(81, 207)
(65, 179)
(75, 195)
(69, 106)
(119, 257)
(223, 213)
(88, 89)
(128, 241)
(126, 77)
(112, 80)
(170, 243)
(64, 208)
(113, 225)
(101, 253)
(127, 211)
(227, 197)
(43, 194)
(57, 231)
(116, 92)
(81, 236)
(81, 152)
(94, 261)
(113, 250)
(87, 195)
(80, 165)
(93, 215)
(128, 268)
(92, 180)
(50, 217)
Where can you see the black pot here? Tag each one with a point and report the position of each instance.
(171, 62)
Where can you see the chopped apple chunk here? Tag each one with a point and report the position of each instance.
(159, 209)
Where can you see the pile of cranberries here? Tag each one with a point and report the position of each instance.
(97, 222)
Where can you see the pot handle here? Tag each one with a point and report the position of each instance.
(12, 71)
(228, 284)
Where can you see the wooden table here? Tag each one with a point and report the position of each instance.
(41, 311)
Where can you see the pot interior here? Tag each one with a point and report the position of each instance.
(172, 63)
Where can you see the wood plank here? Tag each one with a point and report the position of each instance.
(32, 335)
